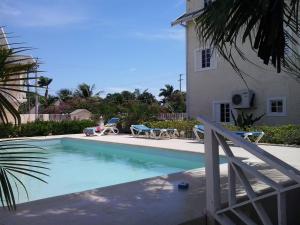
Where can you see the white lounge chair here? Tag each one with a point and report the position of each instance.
(244, 134)
(109, 127)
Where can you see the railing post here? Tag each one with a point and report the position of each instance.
(212, 173)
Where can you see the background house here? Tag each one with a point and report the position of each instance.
(81, 114)
(214, 89)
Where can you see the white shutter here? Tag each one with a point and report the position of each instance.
(198, 60)
(217, 112)
(213, 59)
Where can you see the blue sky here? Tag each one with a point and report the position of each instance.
(116, 44)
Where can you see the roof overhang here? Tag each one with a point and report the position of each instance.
(187, 17)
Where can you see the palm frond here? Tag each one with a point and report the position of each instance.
(270, 26)
(17, 158)
(15, 78)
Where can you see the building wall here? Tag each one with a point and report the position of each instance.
(216, 85)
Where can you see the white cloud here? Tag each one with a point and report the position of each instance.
(39, 14)
(168, 34)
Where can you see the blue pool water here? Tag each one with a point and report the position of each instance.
(79, 165)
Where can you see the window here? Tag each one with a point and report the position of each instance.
(222, 112)
(204, 59)
(225, 113)
(207, 3)
(277, 106)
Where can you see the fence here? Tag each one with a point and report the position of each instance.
(172, 116)
(28, 118)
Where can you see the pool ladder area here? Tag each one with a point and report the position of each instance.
(276, 203)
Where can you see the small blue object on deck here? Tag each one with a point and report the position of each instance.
(183, 186)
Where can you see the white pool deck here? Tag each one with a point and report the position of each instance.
(154, 201)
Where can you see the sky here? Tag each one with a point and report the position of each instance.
(116, 44)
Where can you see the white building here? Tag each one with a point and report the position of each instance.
(214, 88)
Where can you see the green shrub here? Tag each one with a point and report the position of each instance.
(286, 134)
(8, 130)
(41, 128)
(71, 127)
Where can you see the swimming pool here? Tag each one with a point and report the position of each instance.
(79, 165)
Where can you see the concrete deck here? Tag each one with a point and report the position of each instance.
(152, 201)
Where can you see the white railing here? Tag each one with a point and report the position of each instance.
(238, 170)
(172, 116)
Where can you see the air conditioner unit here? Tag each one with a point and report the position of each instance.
(243, 99)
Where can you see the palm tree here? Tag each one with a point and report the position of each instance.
(270, 26)
(45, 82)
(166, 93)
(86, 91)
(15, 158)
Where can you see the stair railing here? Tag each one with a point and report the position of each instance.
(214, 136)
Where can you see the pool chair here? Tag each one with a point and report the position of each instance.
(138, 130)
(109, 127)
(244, 134)
(173, 133)
(141, 130)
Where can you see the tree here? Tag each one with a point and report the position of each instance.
(147, 97)
(137, 92)
(86, 91)
(177, 101)
(116, 98)
(45, 82)
(46, 102)
(270, 26)
(166, 93)
(128, 96)
(173, 100)
(64, 94)
(15, 162)
(26, 106)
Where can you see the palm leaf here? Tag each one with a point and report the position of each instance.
(270, 26)
(13, 68)
(14, 160)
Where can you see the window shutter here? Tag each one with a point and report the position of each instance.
(198, 60)
(213, 60)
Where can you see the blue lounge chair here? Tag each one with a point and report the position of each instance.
(156, 133)
(109, 127)
(244, 134)
(137, 130)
